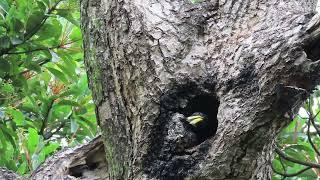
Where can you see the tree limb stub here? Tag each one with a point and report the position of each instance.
(85, 162)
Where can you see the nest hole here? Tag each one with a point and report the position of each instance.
(312, 49)
(208, 105)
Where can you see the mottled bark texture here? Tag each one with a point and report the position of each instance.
(81, 162)
(247, 64)
(85, 161)
(6, 174)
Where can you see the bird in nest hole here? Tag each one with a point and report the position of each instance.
(197, 120)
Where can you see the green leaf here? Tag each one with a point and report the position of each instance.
(4, 6)
(86, 129)
(309, 174)
(35, 159)
(47, 2)
(74, 125)
(68, 103)
(41, 6)
(17, 115)
(58, 74)
(5, 42)
(302, 147)
(34, 21)
(295, 154)
(5, 67)
(7, 88)
(69, 71)
(48, 150)
(68, 16)
(33, 140)
(16, 26)
(9, 135)
(68, 92)
(23, 168)
(33, 66)
(11, 165)
(75, 34)
(3, 141)
(49, 30)
(277, 165)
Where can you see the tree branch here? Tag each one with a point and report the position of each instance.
(33, 50)
(283, 167)
(49, 134)
(290, 175)
(46, 117)
(288, 158)
(44, 48)
(38, 26)
(314, 124)
(308, 130)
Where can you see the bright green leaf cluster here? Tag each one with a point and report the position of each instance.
(45, 102)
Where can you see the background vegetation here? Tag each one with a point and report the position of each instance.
(297, 146)
(45, 103)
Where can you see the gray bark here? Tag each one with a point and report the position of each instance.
(6, 174)
(82, 162)
(248, 64)
(86, 161)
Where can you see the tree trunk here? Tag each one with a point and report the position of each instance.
(247, 65)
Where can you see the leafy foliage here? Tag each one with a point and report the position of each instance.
(45, 103)
(299, 144)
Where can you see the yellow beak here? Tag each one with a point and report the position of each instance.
(194, 120)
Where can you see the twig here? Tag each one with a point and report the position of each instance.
(44, 48)
(288, 158)
(49, 134)
(290, 175)
(308, 131)
(283, 167)
(46, 117)
(33, 50)
(314, 124)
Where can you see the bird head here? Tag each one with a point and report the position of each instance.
(196, 119)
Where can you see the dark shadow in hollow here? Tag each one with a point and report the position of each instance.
(209, 106)
(312, 49)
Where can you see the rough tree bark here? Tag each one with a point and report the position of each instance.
(248, 64)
